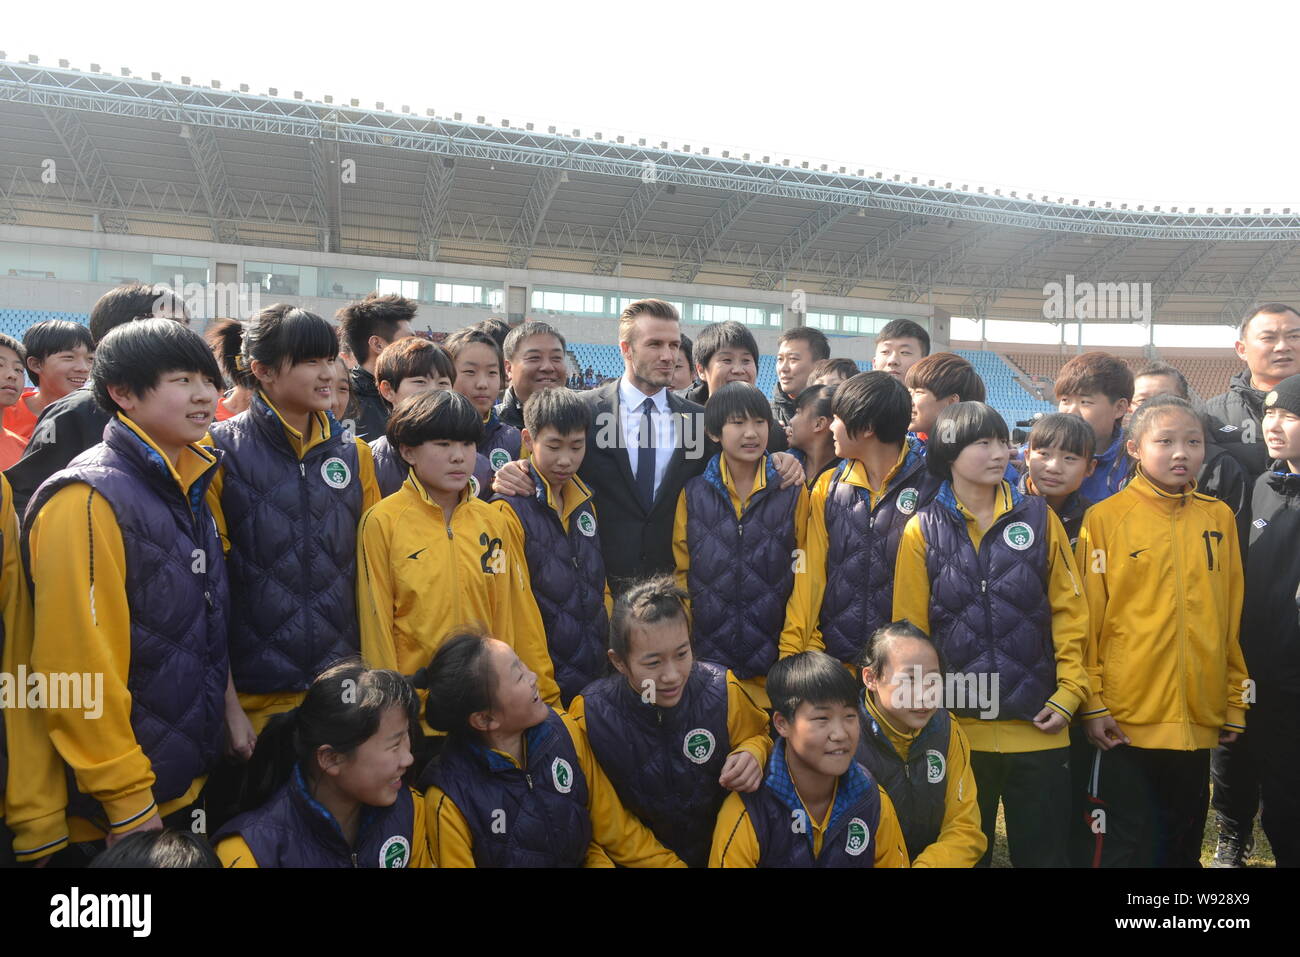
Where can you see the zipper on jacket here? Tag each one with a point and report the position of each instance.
(529, 778)
(354, 858)
(1180, 636)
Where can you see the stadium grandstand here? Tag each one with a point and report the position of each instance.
(108, 177)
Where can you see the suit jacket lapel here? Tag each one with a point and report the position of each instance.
(672, 474)
(620, 451)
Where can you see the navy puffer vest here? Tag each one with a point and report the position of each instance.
(568, 579)
(177, 592)
(741, 572)
(785, 835)
(293, 550)
(665, 762)
(535, 817)
(294, 830)
(918, 787)
(862, 546)
(989, 612)
(500, 443)
(391, 470)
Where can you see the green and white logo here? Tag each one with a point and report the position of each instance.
(907, 501)
(498, 458)
(857, 842)
(336, 473)
(587, 524)
(698, 745)
(935, 766)
(473, 487)
(396, 852)
(1018, 535)
(562, 775)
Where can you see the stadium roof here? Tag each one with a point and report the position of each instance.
(178, 160)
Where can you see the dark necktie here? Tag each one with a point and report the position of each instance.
(645, 459)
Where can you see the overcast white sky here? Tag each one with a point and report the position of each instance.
(1189, 104)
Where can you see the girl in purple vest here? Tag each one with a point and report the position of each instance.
(287, 500)
(989, 574)
(817, 807)
(674, 734)
(738, 540)
(479, 368)
(327, 780)
(516, 784)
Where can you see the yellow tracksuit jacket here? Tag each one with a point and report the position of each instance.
(233, 850)
(16, 611)
(1069, 628)
(1163, 577)
(75, 633)
(421, 573)
(260, 708)
(802, 630)
(757, 685)
(617, 836)
(960, 843)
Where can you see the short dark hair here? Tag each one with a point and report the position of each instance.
(375, 315)
(1163, 369)
(470, 335)
(224, 336)
(439, 414)
(166, 848)
(945, 374)
(818, 397)
(959, 425)
(905, 329)
(126, 303)
(498, 329)
(557, 408)
(818, 346)
(137, 355)
(410, 358)
(656, 308)
(52, 336)
(1067, 432)
(811, 676)
(735, 400)
(9, 342)
(1095, 372)
(646, 602)
(846, 368)
(723, 335)
(1266, 308)
(874, 401)
(875, 653)
(526, 330)
(459, 679)
(688, 350)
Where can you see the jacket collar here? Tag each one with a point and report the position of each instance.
(536, 740)
(198, 464)
(1283, 481)
(413, 487)
(321, 427)
(910, 456)
(320, 820)
(1106, 458)
(1073, 507)
(1158, 496)
(717, 475)
(363, 383)
(1008, 499)
(632, 398)
(1254, 398)
(563, 501)
(853, 785)
(878, 725)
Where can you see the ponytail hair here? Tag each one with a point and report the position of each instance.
(460, 682)
(342, 710)
(224, 337)
(875, 653)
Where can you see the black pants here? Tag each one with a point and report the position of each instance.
(1087, 810)
(1234, 768)
(1273, 736)
(1156, 802)
(1034, 788)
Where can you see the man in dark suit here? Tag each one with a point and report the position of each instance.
(644, 444)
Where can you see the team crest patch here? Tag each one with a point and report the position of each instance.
(562, 775)
(857, 840)
(907, 501)
(587, 524)
(498, 458)
(1018, 535)
(935, 766)
(698, 745)
(473, 487)
(336, 473)
(396, 852)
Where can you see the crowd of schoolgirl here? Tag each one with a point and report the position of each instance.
(326, 640)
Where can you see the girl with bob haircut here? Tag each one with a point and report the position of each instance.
(326, 781)
(517, 784)
(987, 572)
(287, 500)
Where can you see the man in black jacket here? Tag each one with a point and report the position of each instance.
(534, 358)
(1269, 343)
(1270, 630)
(797, 351)
(72, 424)
(365, 327)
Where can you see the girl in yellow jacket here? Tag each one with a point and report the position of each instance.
(517, 784)
(916, 751)
(431, 556)
(1168, 681)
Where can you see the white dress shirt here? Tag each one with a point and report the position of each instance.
(630, 400)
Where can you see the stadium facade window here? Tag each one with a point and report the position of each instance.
(281, 278)
(179, 270)
(460, 294)
(388, 286)
(706, 312)
(28, 261)
(346, 283)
